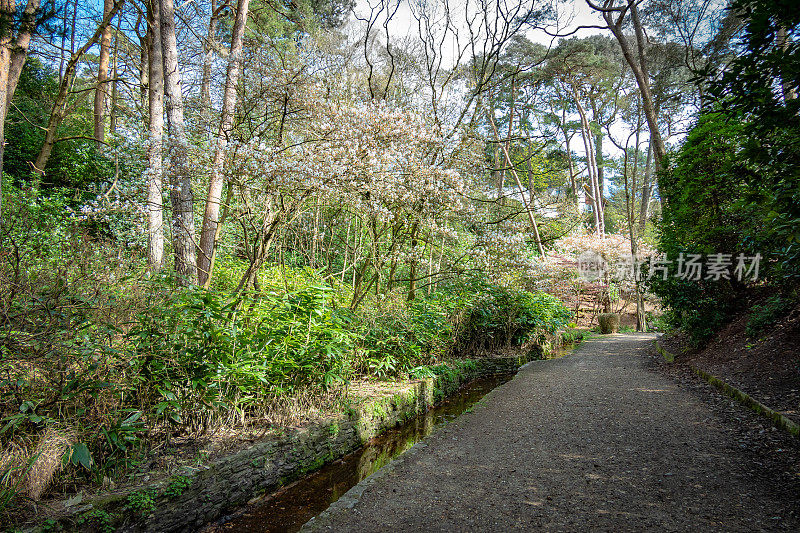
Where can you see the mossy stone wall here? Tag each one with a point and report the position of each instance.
(207, 492)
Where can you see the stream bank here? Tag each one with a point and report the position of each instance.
(200, 495)
(286, 510)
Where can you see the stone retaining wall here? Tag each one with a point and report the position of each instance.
(200, 495)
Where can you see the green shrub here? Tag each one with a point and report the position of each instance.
(764, 315)
(501, 317)
(203, 352)
(571, 335)
(608, 322)
(704, 187)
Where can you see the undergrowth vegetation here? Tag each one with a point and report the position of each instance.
(732, 187)
(101, 362)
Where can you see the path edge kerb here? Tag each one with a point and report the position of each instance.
(740, 396)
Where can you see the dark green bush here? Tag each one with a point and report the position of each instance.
(733, 185)
(704, 187)
(766, 314)
(746, 94)
(500, 317)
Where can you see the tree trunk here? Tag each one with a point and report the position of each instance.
(500, 178)
(638, 66)
(205, 258)
(595, 196)
(112, 111)
(630, 209)
(101, 90)
(5, 63)
(13, 52)
(208, 58)
(570, 164)
(597, 192)
(429, 244)
(439, 264)
(520, 188)
(144, 64)
(598, 159)
(62, 58)
(181, 194)
(260, 247)
(18, 47)
(412, 267)
(59, 109)
(644, 207)
(155, 175)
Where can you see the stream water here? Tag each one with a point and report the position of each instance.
(292, 506)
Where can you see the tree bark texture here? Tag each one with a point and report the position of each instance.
(13, 52)
(155, 171)
(210, 233)
(637, 61)
(101, 91)
(180, 182)
(59, 109)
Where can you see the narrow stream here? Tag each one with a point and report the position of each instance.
(292, 506)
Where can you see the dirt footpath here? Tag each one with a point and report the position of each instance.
(603, 439)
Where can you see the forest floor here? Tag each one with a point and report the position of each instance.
(608, 438)
(766, 367)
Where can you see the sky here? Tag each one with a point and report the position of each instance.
(572, 14)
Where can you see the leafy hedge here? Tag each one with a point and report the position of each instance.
(734, 185)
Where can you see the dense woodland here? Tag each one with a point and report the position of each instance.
(215, 212)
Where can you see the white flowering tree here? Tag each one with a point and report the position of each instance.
(371, 162)
(600, 267)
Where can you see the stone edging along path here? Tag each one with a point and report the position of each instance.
(200, 495)
(742, 397)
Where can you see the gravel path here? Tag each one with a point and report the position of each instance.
(602, 439)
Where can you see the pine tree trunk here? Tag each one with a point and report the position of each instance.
(598, 159)
(144, 66)
(209, 234)
(59, 109)
(570, 164)
(591, 167)
(181, 194)
(5, 63)
(101, 90)
(155, 175)
(112, 111)
(638, 64)
(644, 207)
(18, 46)
(208, 58)
(13, 52)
